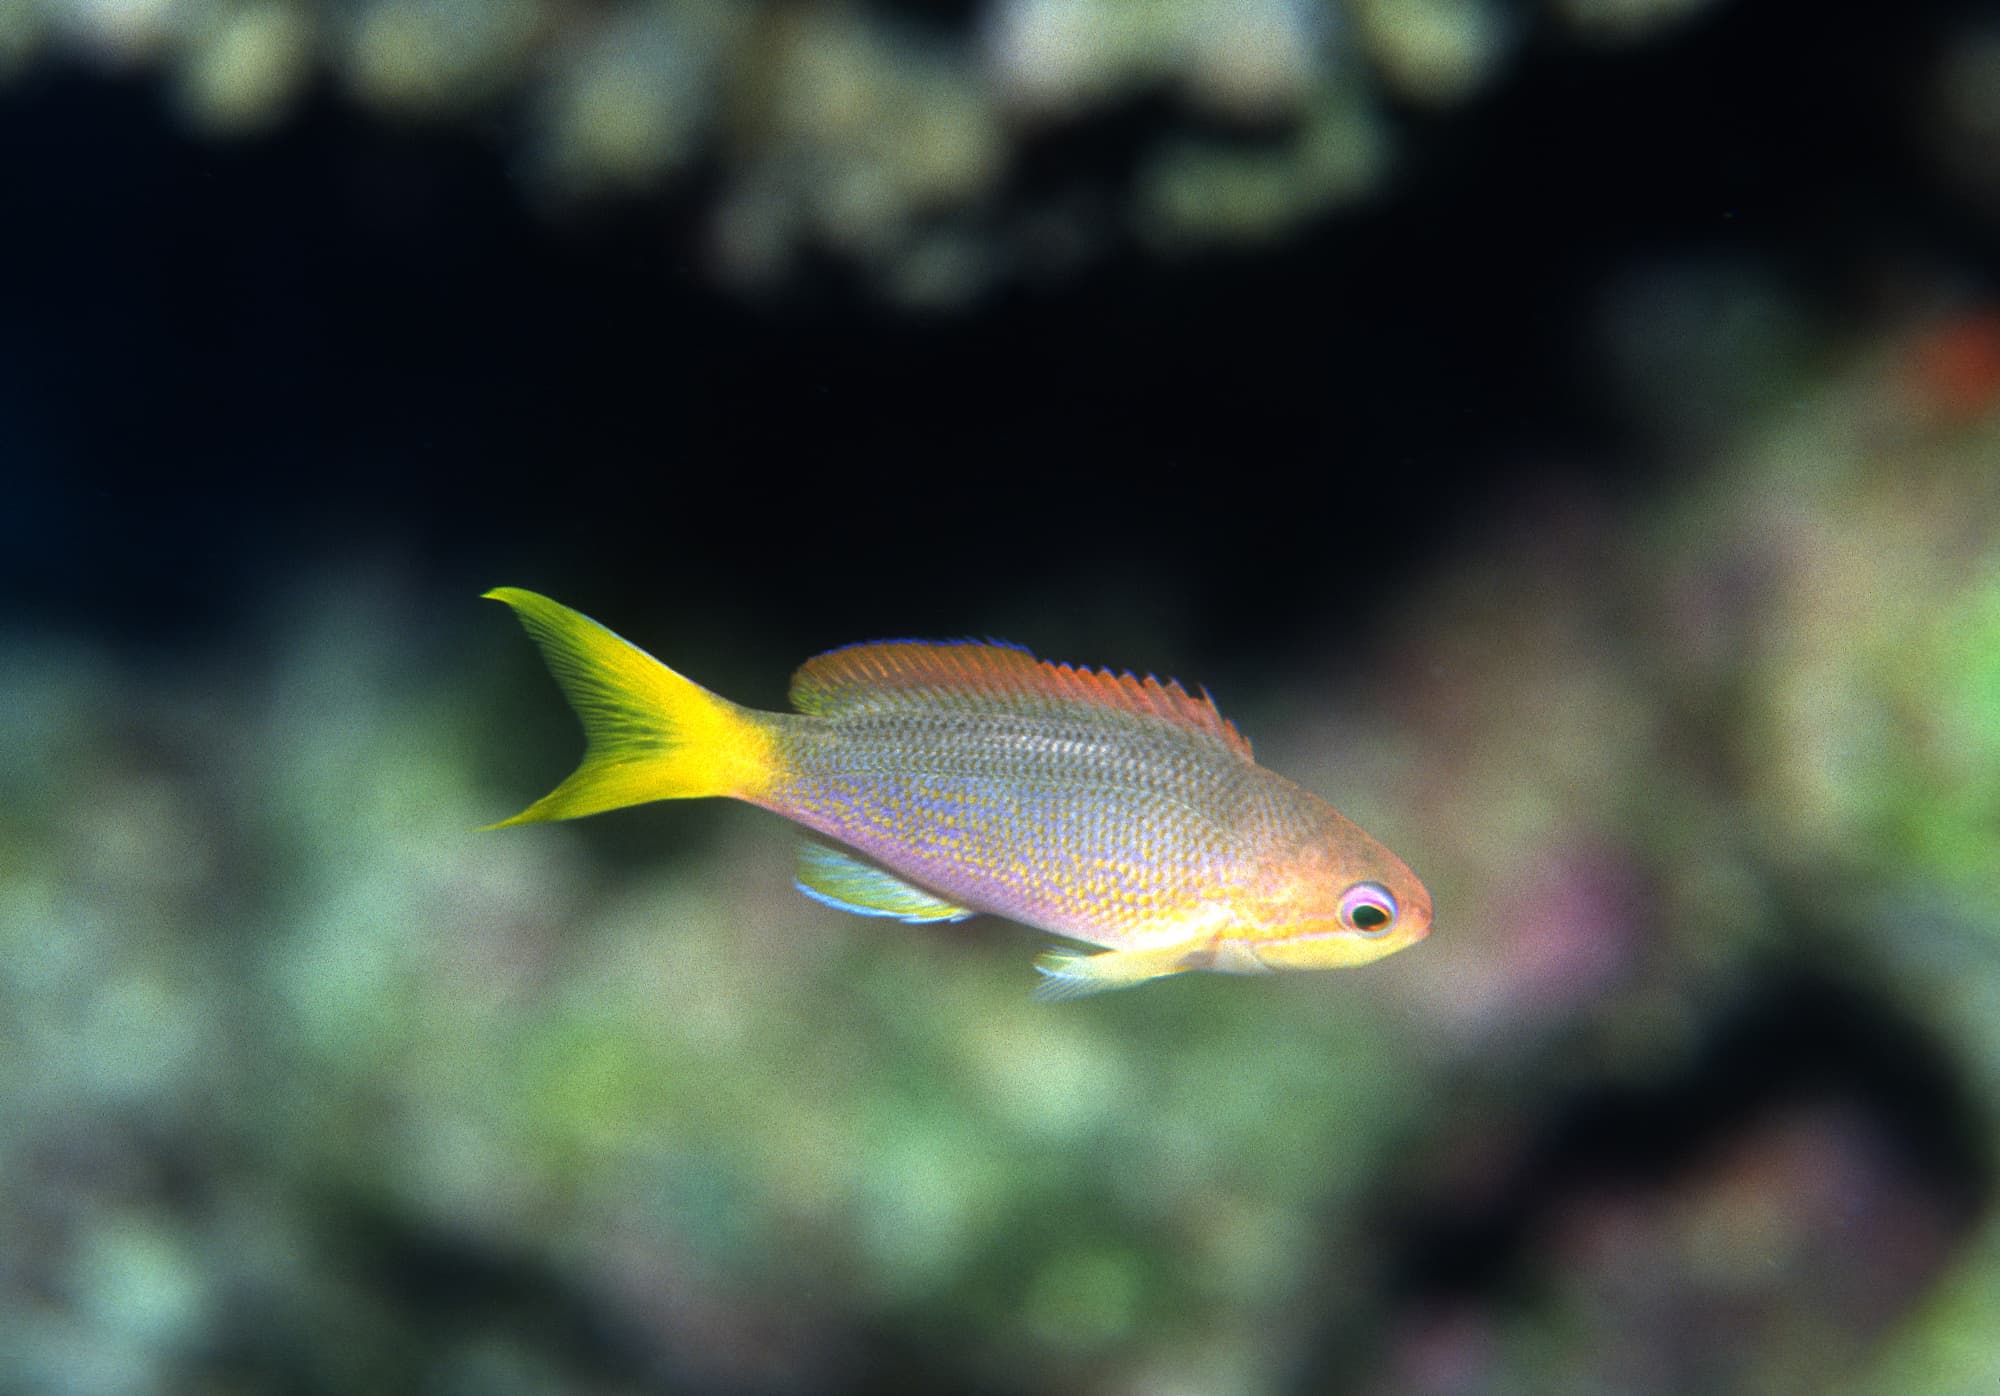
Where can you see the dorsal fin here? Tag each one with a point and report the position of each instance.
(899, 674)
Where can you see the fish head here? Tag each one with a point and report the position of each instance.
(1338, 902)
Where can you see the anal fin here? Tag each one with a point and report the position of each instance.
(846, 883)
(1070, 974)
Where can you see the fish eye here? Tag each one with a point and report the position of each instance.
(1368, 908)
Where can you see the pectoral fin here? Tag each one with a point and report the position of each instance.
(1069, 974)
(846, 883)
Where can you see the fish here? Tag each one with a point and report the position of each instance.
(943, 779)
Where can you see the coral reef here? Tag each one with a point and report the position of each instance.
(925, 150)
(306, 1084)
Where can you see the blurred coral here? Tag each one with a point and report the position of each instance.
(303, 1076)
(895, 143)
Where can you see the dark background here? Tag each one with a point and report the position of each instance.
(218, 353)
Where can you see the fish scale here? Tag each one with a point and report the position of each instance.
(1060, 795)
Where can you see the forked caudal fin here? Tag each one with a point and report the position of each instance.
(650, 734)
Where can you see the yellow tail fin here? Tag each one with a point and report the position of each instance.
(649, 733)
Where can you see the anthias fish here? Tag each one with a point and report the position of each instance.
(947, 779)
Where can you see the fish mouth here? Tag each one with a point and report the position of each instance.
(1416, 920)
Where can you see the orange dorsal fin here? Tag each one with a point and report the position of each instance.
(901, 675)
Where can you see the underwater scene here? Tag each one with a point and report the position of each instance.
(1220, 697)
